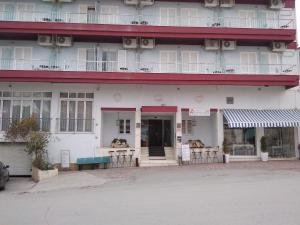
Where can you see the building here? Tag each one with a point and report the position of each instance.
(155, 73)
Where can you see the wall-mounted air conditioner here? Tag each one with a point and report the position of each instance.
(64, 41)
(278, 46)
(276, 4)
(228, 45)
(131, 2)
(146, 2)
(130, 43)
(147, 43)
(45, 40)
(227, 3)
(211, 44)
(211, 3)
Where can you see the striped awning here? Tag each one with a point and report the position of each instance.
(239, 118)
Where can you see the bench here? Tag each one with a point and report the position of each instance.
(93, 161)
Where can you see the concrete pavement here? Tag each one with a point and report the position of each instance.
(236, 194)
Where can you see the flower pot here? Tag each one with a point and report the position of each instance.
(226, 158)
(38, 175)
(264, 156)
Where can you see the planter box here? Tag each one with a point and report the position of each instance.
(38, 175)
(264, 156)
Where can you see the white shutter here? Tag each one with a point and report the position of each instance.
(168, 61)
(83, 9)
(122, 59)
(81, 62)
(189, 61)
(189, 16)
(23, 56)
(247, 18)
(248, 62)
(109, 14)
(25, 11)
(168, 16)
(274, 64)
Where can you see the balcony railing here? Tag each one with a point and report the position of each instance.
(148, 67)
(74, 125)
(155, 20)
(43, 123)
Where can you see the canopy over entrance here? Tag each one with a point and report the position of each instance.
(242, 118)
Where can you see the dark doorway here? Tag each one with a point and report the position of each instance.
(156, 137)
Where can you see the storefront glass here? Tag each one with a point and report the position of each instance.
(280, 142)
(241, 141)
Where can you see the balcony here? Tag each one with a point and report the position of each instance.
(177, 29)
(114, 72)
(284, 22)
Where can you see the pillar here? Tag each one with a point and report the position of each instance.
(178, 127)
(138, 124)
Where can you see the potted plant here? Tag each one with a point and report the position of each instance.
(27, 131)
(226, 151)
(263, 149)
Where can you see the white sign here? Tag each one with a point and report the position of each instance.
(185, 153)
(199, 112)
(65, 158)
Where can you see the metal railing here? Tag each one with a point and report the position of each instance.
(147, 67)
(74, 125)
(44, 124)
(149, 19)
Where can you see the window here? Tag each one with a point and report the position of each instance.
(15, 106)
(7, 11)
(189, 17)
(240, 140)
(76, 111)
(270, 63)
(6, 57)
(23, 56)
(109, 14)
(87, 59)
(25, 11)
(124, 126)
(87, 14)
(230, 100)
(109, 61)
(189, 61)
(248, 62)
(187, 127)
(247, 18)
(168, 16)
(269, 19)
(168, 61)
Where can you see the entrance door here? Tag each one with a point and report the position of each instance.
(156, 145)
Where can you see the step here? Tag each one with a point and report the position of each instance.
(150, 163)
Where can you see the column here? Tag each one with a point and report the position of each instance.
(219, 129)
(138, 124)
(260, 132)
(178, 127)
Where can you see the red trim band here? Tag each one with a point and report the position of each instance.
(118, 109)
(159, 109)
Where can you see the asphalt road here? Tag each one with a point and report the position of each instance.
(238, 194)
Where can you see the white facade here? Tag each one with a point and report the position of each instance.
(84, 118)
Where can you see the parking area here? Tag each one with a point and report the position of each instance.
(237, 193)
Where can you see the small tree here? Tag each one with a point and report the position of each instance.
(27, 130)
(263, 144)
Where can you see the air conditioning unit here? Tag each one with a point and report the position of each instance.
(228, 45)
(45, 40)
(211, 44)
(278, 46)
(211, 3)
(276, 4)
(64, 41)
(131, 2)
(147, 43)
(130, 43)
(227, 3)
(146, 2)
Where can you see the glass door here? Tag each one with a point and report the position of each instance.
(280, 142)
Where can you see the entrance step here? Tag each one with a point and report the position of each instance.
(150, 163)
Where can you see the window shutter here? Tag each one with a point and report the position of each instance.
(82, 57)
(274, 63)
(264, 61)
(122, 59)
(83, 9)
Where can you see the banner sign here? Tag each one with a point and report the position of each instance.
(199, 112)
(185, 153)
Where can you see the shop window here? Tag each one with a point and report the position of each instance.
(124, 126)
(241, 141)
